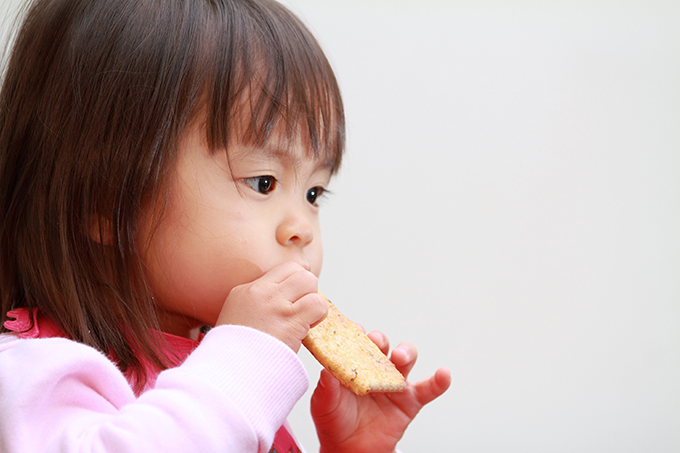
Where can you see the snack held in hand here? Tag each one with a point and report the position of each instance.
(347, 352)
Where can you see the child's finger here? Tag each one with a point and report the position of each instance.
(326, 396)
(380, 340)
(404, 357)
(298, 284)
(312, 308)
(433, 387)
(281, 272)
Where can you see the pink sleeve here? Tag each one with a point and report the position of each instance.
(232, 394)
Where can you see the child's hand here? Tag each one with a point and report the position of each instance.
(346, 422)
(284, 303)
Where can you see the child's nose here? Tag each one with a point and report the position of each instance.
(296, 229)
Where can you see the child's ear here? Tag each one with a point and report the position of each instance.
(101, 230)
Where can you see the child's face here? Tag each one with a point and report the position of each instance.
(229, 220)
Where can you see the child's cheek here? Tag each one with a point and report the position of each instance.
(315, 256)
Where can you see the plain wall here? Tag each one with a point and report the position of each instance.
(510, 203)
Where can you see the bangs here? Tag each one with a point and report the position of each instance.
(271, 81)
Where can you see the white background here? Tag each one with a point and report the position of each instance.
(510, 203)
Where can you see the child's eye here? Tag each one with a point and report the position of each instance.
(314, 193)
(263, 184)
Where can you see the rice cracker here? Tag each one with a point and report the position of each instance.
(347, 352)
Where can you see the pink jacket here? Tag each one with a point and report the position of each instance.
(231, 394)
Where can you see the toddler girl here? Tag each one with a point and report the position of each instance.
(161, 163)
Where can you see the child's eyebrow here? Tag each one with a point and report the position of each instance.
(295, 158)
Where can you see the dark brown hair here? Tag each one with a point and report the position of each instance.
(95, 99)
